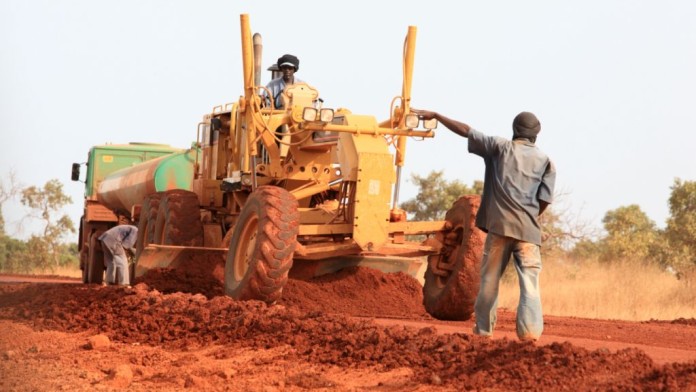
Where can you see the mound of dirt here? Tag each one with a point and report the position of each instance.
(358, 291)
(202, 275)
(354, 291)
(186, 321)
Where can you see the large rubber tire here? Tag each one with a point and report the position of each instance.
(95, 259)
(83, 251)
(85, 273)
(452, 296)
(146, 228)
(179, 219)
(263, 242)
(147, 221)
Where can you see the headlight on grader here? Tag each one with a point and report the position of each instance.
(430, 124)
(326, 115)
(412, 121)
(309, 114)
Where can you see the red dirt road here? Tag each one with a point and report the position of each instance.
(356, 330)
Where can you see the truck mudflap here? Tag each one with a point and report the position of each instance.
(171, 256)
(307, 269)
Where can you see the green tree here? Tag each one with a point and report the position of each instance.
(8, 190)
(12, 253)
(436, 195)
(680, 232)
(630, 234)
(586, 249)
(45, 203)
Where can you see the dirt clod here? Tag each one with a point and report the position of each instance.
(98, 342)
(120, 377)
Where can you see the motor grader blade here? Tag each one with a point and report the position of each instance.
(307, 269)
(170, 256)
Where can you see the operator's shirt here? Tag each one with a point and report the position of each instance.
(276, 87)
(518, 175)
(124, 235)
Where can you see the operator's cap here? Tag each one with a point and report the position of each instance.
(288, 59)
(526, 125)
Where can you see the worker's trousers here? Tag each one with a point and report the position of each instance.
(116, 265)
(527, 260)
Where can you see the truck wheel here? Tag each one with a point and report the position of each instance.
(95, 259)
(148, 219)
(262, 245)
(179, 219)
(146, 228)
(452, 282)
(82, 247)
(85, 274)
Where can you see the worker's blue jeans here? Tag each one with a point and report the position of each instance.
(116, 265)
(527, 259)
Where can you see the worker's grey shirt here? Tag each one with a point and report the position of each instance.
(124, 235)
(276, 87)
(518, 175)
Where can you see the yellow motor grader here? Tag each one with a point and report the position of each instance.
(294, 191)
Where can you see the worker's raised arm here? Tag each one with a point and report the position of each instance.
(455, 126)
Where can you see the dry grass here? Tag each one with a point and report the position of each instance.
(621, 291)
(69, 272)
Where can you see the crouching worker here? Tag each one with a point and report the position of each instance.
(115, 242)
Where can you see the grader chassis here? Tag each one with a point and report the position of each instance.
(297, 191)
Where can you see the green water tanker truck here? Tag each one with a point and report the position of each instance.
(117, 179)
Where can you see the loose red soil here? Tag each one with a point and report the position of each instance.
(325, 334)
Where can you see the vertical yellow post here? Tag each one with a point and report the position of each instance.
(248, 69)
(409, 54)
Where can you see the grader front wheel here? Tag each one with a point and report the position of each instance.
(262, 245)
(452, 278)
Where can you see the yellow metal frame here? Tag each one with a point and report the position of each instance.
(276, 146)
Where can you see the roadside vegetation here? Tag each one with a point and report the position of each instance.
(50, 251)
(622, 290)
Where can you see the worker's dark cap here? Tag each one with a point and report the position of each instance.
(526, 125)
(288, 59)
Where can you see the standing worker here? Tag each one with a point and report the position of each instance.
(288, 65)
(115, 242)
(518, 186)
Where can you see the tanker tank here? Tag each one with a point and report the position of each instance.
(125, 188)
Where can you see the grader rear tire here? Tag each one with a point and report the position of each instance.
(262, 245)
(148, 219)
(146, 228)
(179, 219)
(95, 259)
(451, 295)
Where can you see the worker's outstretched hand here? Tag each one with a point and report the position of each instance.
(425, 114)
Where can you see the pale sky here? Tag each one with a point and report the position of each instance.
(612, 82)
